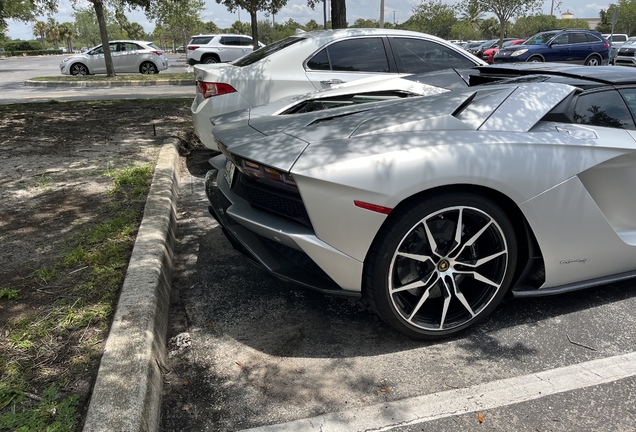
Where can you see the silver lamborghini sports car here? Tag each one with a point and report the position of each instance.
(432, 208)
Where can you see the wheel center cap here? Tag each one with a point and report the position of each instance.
(443, 265)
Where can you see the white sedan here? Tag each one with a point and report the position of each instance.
(129, 56)
(313, 61)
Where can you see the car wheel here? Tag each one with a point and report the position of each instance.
(441, 266)
(148, 68)
(210, 60)
(79, 69)
(593, 61)
(535, 59)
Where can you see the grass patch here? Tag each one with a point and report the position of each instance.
(47, 349)
(9, 294)
(123, 77)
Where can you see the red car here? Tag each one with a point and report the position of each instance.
(490, 53)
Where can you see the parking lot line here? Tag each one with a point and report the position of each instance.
(494, 394)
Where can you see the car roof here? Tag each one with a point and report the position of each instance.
(601, 74)
(349, 32)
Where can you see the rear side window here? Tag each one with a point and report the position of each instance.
(578, 38)
(243, 41)
(605, 108)
(592, 38)
(353, 55)
(419, 56)
(266, 51)
(230, 40)
(200, 40)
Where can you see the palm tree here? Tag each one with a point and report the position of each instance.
(39, 30)
(135, 31)
(472, 13)
(67, 33)
(53, 33)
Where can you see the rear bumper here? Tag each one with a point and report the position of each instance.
(268, 242)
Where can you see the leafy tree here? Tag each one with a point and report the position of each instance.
(366, 23)
(572, 23)
(252, 7)
(489, 28)
(626, 21)
(39, 31)
(433, 17)
(505, 10)
(312, 25)
(24, 10)
(53, 32)
(525, 27)
(87, 27)
(67, 34)
(464, 30)
(471, 12)
(605, 25)
(179, 17)
(239, 27)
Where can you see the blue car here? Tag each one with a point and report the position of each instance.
(573, 46)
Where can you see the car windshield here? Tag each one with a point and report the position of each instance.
(539, 39)
(630, 42)
(266, 51)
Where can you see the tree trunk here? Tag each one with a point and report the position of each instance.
(254, 21)
(103, 33)
(338, 14)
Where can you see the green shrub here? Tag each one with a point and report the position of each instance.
(23, 46)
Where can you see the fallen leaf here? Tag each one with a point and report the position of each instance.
(362, 400)
(300, 371)
(185, 383)
(480, 417)
(241, 364)
(185, 408)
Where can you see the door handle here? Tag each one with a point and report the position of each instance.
(332, 82)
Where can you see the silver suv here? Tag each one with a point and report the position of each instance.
(218, 48)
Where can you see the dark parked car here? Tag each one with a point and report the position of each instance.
(569, 46)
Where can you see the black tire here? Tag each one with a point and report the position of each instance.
(432, 294)
(148, 68)
(210, 60)
(535, 59)
(78, 69)
(593, 61)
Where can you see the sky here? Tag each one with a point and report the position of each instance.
(398, 10)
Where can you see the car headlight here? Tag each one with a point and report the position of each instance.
(518, 52)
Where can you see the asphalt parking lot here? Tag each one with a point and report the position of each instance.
(252, 353)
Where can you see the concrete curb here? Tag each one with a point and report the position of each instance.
(127, 392)
(106, 84)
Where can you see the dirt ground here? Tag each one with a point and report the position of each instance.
(52, 160)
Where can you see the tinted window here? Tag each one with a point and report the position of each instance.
(417, 55)
(320, 61)
(200, 40)
(605, 108)
(592, 38)
(578, 38)
(629, 95)
(243, 41)
(230, 40)
(358, 55)
(561, 39)
(266, 51)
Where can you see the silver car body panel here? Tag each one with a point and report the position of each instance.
(572, 183)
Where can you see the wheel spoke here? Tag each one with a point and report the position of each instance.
(416, 257)
(447, 299)
(431, 283)
(458, 232)
(431, 240)
(461, 298)
(480, 278)
(484, 260)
